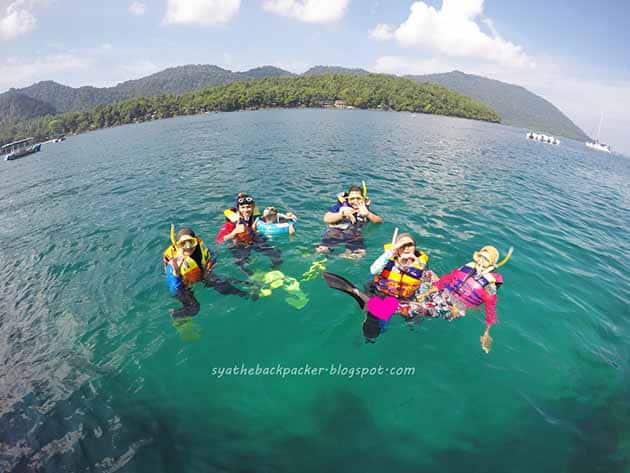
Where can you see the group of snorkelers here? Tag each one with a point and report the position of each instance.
(401, 281)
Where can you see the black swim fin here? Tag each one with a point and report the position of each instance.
(342, 284)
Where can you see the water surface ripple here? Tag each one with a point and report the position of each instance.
(95, 378)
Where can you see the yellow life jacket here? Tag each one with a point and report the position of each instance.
(192, 267)
(402, 285)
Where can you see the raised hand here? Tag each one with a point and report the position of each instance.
(348, 212)
(363, 210)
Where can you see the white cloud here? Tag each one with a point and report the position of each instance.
(309, 11)
(453, 31)
(137, 8)
(201, 12)
(382, 32)
(16, 19)
(19, 73)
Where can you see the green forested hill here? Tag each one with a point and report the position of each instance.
(266, 71)
(177, 80)
(370, 91)
(516, 105)
(64, 99)
(174, 80)
(15, 106)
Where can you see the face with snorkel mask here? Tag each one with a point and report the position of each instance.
(405, 254)
(245, 206)
(485, 260)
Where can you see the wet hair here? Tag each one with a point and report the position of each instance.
(355, 189)
(185, 231)
(242, 195)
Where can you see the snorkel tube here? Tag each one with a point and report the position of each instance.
(389, 246)
(506, 259)
(173, 234)
(364, 187)
(491, 268)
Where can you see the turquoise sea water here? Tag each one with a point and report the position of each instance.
(95, 377)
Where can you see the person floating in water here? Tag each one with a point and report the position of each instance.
(273, 222)
(188, 261)
(401, 272)
(240, 229)
(346, 220)
(469, 286)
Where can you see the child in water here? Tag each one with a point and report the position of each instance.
(271, 216)
(469, 286)
(402, 272)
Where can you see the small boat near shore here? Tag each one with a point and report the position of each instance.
(596, 145)
(19, 149)
(544, 138)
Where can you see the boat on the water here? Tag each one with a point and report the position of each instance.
(19, 149)
(544, 138)
(596, 145)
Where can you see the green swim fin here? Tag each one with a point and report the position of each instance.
(188, 330)
(296, 298)
(297, 301)
(317, 267)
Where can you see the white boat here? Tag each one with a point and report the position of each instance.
(544, 138)
(596, 145)
(19, 149)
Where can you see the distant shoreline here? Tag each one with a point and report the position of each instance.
(261, 109)
(371, 92)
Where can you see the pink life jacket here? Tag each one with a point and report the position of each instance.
(470, 286)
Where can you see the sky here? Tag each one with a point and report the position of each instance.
(574, 53)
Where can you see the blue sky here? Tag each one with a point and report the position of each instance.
(574, 53)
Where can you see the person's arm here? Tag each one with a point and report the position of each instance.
(227, 232)
(210, 258)
(289, 216)
(174, 280)
(365, 212)
(238, 229)
(372, 217)
(381, 261)
(490, 303)
(331, 217)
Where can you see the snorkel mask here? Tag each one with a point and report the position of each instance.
(485, 260)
